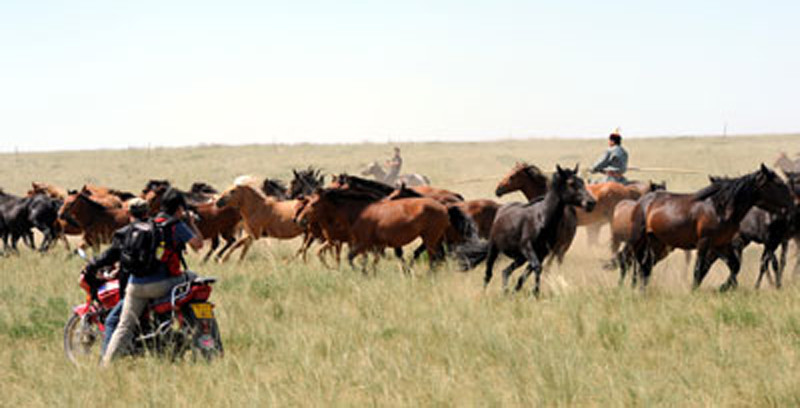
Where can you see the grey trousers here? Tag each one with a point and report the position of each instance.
(136, 298)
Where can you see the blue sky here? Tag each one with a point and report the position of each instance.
(117, 74)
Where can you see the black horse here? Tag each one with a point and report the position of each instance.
(772, 230)
(527, 232)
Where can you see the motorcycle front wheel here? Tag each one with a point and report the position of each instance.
(82, 340)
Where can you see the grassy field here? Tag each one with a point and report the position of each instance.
(298, 334)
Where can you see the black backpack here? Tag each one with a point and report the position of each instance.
(143, 246)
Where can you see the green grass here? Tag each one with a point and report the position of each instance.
(300, 334)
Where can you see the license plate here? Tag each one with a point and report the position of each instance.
(203, 310)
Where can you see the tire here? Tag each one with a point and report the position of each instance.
(82, 341)
(200, 340)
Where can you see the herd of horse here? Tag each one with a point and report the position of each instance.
(646, 220)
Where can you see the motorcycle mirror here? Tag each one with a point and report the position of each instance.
(81, 253)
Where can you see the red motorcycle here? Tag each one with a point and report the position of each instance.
(179, 322)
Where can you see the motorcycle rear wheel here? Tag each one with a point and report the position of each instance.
(201, 350)
(82, 340)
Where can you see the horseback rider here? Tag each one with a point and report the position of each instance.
(614, 162)
(393, 166)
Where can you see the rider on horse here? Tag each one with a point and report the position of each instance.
(614, 162)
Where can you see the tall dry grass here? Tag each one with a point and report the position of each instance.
(299, 334)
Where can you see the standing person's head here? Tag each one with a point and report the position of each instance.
(172, 201)
(138, 208)
(396, 151)
(615, 139)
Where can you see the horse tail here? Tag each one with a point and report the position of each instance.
(426, 179)
(472, 254)
(463, 223)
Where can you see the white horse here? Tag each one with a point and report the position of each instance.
(413, 179)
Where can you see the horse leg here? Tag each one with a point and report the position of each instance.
(623, 265)
(214, 245)
(781, 264)
(764, 267)
(418, 252)
(534, 265)
(238, 243)
(491, 257)
(515, 263)
(702, 265)
(732, 259)
(398, 251)
(247, 244)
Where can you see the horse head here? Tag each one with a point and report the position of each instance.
(571, 188)
(525, 177)
(772, 192)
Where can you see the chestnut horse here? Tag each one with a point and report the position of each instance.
(707, 220)
(373, 225)
(528, 232)
(263, 216)
(608, 194)
(532, 182)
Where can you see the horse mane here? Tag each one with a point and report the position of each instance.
(311, 175)
(202, 188)
(153, 185)
(532, 171)
(337, 194)
(724, 192)
(250, 182)
(123, 195)
(404, 192)
(85, 195)
(372, 186)
(273, 187)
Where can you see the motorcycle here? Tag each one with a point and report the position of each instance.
(170, 326)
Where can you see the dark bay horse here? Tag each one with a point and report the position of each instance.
(528, 232)
(707, 220)
(533, 183)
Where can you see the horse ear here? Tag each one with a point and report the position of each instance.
(576, 168)
(559, 169)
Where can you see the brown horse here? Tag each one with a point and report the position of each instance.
(533, 183)
(97, 221)
(707, 220)
(49, 190)
(263, 216)
(373, 225)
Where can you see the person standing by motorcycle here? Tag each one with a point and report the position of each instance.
(168, 270)
(138, 209)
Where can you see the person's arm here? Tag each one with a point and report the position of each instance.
(108, 257)
(601, 164)
(185, 234)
